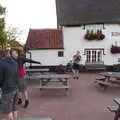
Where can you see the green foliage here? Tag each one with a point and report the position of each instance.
(2, 28)
(12, 36)
(98, 31)
(2, 10)
(88, 32)
(8, 36)
(13, 44)
(92, 32)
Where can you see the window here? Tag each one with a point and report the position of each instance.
(60, 53)
(88, 56)
(99, 56)
(94, 55)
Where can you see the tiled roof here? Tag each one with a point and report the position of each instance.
(44, 39)
(77, 12)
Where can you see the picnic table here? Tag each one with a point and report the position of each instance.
(40, 70)
(115, 109)
(52, 81)
(108, 79)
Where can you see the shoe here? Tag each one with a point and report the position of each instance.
(77, 78)
(19, 101)
(26, 103)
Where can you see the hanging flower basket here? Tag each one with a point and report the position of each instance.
(94, 35)
(115, 49)
(101, 37)
(89, 37)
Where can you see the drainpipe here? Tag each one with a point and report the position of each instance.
(30, 58)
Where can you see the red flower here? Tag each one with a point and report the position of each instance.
(95, 36)
(102, 36)
(91, 36)
(87, 36)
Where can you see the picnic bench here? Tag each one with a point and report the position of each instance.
(115, 109)
(29, 70)
(108, 79)
(52, 81)
(95, 66)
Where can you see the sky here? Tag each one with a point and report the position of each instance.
(30, 14)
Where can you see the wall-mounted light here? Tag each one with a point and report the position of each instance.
(116, 43)
(83, 27)
(104, 26)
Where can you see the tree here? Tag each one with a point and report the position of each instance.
(2, 28)
(12, 35)
(8, 36)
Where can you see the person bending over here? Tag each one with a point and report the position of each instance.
(21, 60)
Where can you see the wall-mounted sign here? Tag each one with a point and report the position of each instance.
(118, 59)
(115, 33)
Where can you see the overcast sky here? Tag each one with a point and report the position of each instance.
(25, 14)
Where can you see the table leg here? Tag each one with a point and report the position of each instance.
(117, 114)
(45, 81)
(107, 79)
(104, 87)
(64, 82)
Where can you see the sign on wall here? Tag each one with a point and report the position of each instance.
(118, 59)
(115, 33)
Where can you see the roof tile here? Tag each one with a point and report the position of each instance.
(44, 39)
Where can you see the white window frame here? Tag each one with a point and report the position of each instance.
(94, 58)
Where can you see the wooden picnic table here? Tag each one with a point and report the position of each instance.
(110, 74)
(40, 70)
(52, 81)
(107, 79)
(115, 109)
(117, 100)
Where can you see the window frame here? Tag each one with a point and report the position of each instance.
(60, 53)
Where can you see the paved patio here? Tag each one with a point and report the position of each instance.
(85, 103)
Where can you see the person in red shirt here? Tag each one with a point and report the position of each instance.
(21, 60)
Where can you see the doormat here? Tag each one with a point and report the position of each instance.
(32, 118)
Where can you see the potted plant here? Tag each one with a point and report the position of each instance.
(91, 35)
(100, 35)
(87, 35)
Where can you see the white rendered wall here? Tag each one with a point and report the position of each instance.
(74, 40)
(47, 57)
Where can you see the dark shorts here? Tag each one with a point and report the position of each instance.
(22, 84)
(8, 103)
(76, 66)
